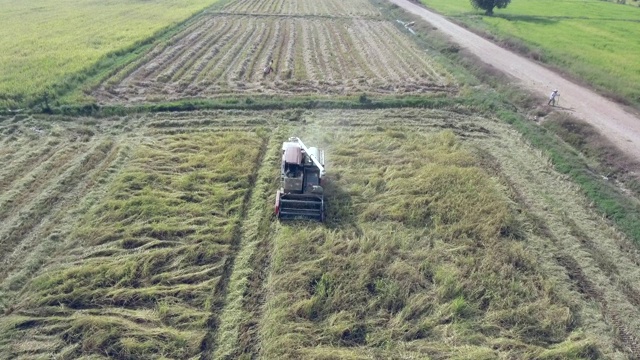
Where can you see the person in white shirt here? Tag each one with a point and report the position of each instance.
(552, 97)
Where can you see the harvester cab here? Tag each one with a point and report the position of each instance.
(301, 195)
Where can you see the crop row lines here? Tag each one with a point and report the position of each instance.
(121, 75)
(410, 52)
(178, 47)
(201, 48)
(308, 57)
(237, 333)
(22, 162)
(568, 244)
(220, 66)
(236, 54)
(53, 195)
(200, 64)
(627, 338)
(306, 7)
(186, 54)
(225, 66)
(275, 53)
(37, 245)
(239, 68)
(221, 291)
(34, 179)
(217, 54)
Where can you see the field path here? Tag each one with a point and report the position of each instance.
(618, 125)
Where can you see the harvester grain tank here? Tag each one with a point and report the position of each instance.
(301, 195)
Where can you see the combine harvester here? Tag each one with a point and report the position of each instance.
(301, 195)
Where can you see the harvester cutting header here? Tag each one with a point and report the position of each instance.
(301, 195)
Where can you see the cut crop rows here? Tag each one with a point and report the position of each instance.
(415, 260)
(444, 238)
(144, 265)
(328, 8)
(226, 55)
(601, 265)
(54, 168)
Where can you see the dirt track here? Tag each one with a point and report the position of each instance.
(618, 125)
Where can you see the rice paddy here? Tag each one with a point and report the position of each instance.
(153, 234)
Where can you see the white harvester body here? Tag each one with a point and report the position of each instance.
(301, 195)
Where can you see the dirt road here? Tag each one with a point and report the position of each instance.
(618, 125)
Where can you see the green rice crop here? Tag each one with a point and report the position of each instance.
(138, 278)
(421, 257)
(594, 40)
(44, 42)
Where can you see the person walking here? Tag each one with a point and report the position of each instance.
(269, 69)
(552, 97)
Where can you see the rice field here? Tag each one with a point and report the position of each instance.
(40, 47)
(310, 53)
(328, 8)
(154, 234)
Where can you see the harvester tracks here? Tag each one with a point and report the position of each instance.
(248, 338)
(208, 345)
(606, 264)
(626, 337)
(600, 272)
(237, 335)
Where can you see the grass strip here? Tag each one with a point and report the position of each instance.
(606, 197)
(362, 101)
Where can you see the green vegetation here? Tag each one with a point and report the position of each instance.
(140, 273)
(593, 40)
(434, 244)
(489, 5)
(600, 154)
(615, 204)
(262, 103)
(46, 43)
(421, 256)
(455, 227)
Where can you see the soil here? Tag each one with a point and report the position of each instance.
(616, 123)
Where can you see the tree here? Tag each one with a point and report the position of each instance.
(488, 5)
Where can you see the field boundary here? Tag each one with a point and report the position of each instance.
(565, 255)
(109, 64)
(521, 47)
(363, 101)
